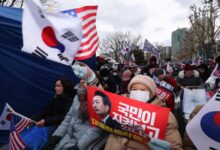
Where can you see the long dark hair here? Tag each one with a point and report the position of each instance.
(67, 86)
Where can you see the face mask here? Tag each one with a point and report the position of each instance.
(105, 78)
(143, 96)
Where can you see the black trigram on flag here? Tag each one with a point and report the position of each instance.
(217, 98)
(40, 53)
(70, 36)
(211, 148)
(41, 14)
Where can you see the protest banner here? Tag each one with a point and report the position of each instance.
(126, 117)
(204, 128)
(192, 98)
(165, 90)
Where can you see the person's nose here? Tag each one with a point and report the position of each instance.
(94, 105)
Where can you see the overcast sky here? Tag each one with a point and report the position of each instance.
(152, 19)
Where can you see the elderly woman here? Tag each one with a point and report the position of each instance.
(143, 88)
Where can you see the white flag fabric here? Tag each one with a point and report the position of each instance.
(192, 98)
(169, 69)
(53, 36)
(204, 128)
(5, 117)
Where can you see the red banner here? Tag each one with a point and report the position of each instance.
(163, 93)
(165, 90)
(166, 95)
(126, 117)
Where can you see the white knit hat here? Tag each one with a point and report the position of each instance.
(145, 80)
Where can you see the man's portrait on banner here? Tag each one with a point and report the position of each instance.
(102, 107)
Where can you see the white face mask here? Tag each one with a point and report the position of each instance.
(143, 96)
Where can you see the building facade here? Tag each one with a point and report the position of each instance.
(177, 40)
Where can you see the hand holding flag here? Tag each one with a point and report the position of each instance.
(82, 71)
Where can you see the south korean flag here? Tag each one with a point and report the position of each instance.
(6, 117)
(204, 128)
(53, 36)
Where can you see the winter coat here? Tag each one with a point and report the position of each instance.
(74, 131)
(55, 111)
(189, 81)
(172, 136)
(109, 85)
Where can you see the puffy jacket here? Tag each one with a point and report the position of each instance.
(172, 135)
(189, 81)
(74, 131)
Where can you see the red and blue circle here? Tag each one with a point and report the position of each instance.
(49, 38)
(210, 124)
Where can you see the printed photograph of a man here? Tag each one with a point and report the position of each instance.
(102, 107)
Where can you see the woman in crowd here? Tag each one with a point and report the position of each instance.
(75, 132)
(51, 116)
(143, 88)
(57, 108)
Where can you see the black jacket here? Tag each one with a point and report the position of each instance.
(55, 111)
(113, 123)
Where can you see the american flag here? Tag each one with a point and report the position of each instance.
(90, 41)
(18, 124)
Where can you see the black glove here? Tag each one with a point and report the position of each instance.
(52, 142)
(73, 148)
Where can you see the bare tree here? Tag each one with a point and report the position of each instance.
(112, 46)
(190, 41)
(204, 29)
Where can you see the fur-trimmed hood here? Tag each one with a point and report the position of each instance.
(181, 74)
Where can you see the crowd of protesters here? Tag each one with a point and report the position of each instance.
(73, 131)
(179, 75)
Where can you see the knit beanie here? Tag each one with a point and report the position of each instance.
(145, 80)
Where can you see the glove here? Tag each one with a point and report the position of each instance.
(52, 143)
(82, 71)
(156, 144)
